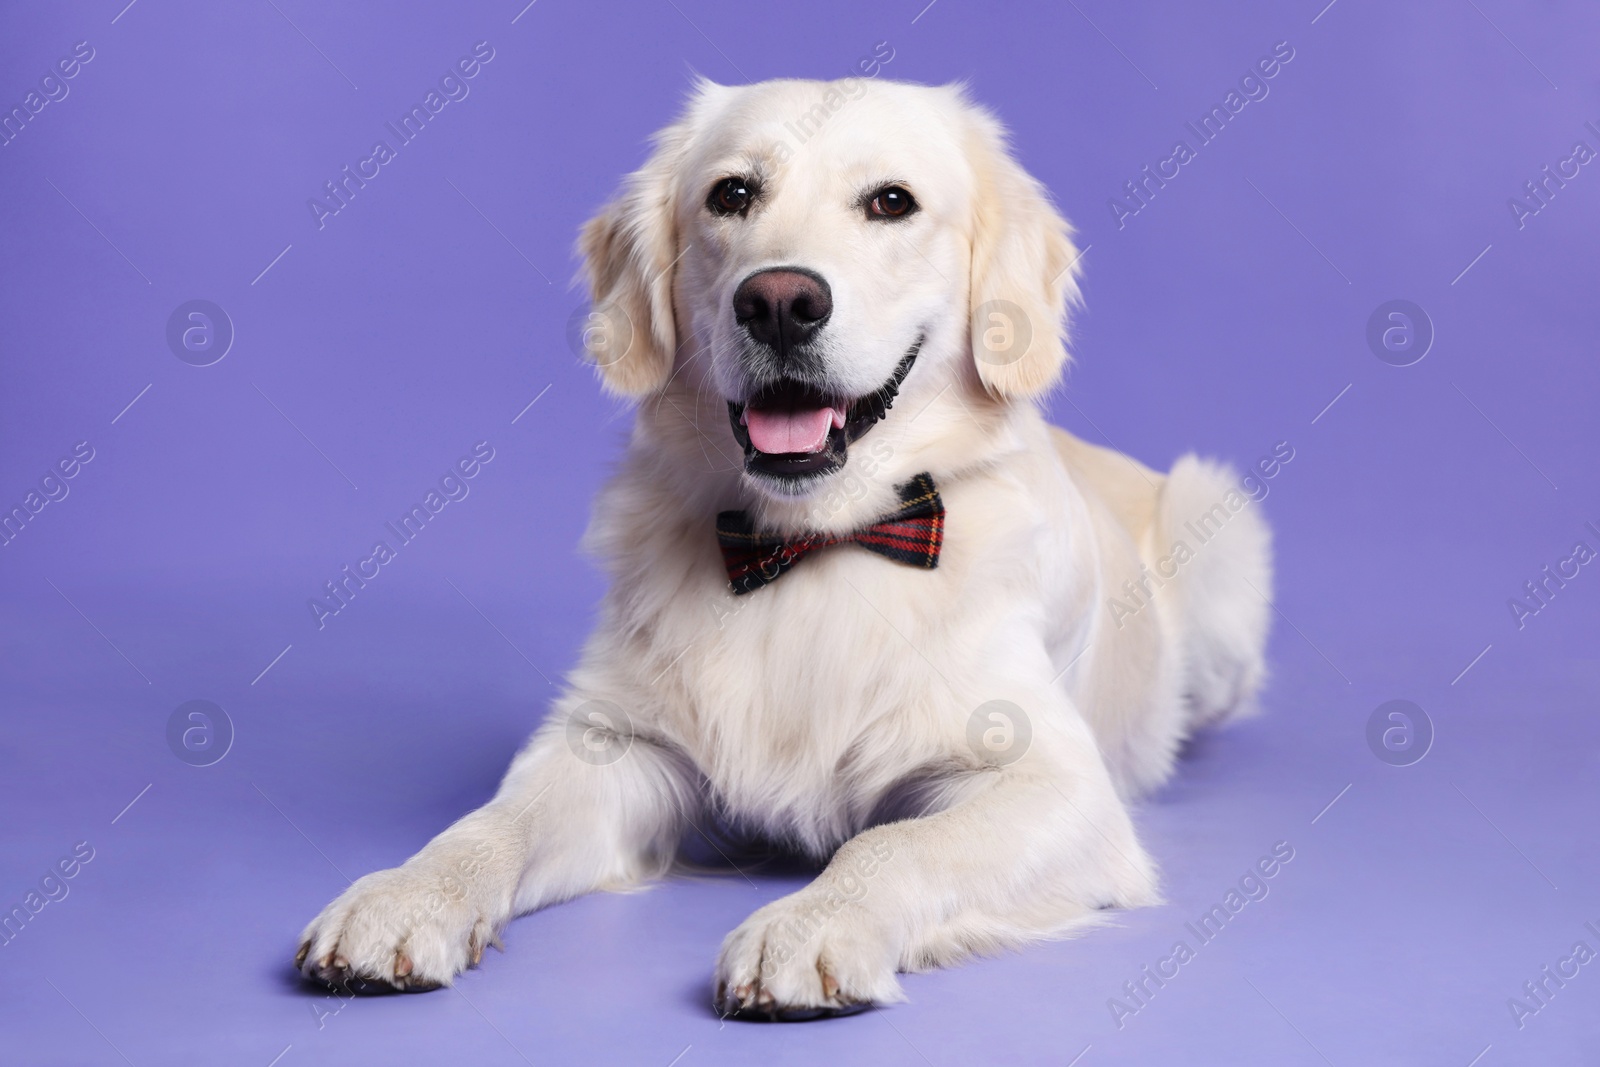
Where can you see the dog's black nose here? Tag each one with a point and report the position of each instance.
(783, 308)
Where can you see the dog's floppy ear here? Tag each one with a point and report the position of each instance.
(1024, 271)
(629, 250)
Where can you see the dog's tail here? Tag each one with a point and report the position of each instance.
(1210, 531)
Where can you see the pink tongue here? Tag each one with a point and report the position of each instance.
(800, 430)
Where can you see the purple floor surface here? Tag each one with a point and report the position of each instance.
(368, 349)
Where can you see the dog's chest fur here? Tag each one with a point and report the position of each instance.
(841, 692)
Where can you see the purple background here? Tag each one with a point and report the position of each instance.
(427, 314)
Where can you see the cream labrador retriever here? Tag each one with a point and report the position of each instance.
(865, 602)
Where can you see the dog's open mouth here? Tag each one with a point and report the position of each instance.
(795, 431)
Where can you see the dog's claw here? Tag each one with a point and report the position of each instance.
(752, 1003)
(394, 931)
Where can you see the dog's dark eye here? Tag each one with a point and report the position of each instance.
(890, 202)
(731, 196)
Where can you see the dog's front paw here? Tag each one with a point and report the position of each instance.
(806, 956)
(402, 929)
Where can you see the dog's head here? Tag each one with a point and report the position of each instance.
(807, 251)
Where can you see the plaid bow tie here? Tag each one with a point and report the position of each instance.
(912, 533)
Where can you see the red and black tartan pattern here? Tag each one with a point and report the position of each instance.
(913, 533)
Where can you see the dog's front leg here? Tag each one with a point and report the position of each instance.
(1032, 849)
(578, 811)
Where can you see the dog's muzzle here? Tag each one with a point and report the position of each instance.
(793, 430)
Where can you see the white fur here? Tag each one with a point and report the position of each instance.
(830, 709)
